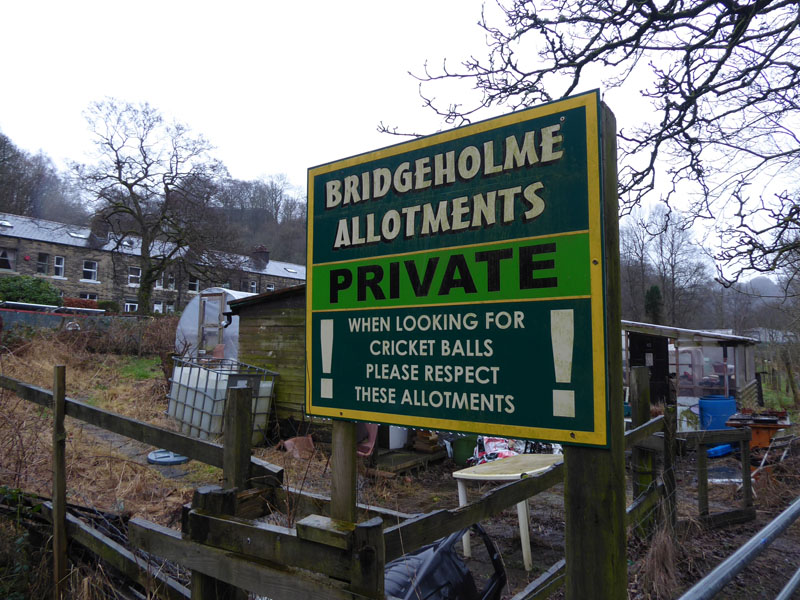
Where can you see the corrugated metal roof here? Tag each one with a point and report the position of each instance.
(687, 335)
(236, 305)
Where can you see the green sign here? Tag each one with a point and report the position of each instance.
(456, 281)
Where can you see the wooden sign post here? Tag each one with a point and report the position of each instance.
(469, 281)
(594, 479)
(343, 471)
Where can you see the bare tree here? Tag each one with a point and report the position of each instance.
(152, 185)
(30, 185)
(723, 78)
(266, 212)
(678, 263)
(635, 268)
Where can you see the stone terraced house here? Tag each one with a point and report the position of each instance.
(81, 264)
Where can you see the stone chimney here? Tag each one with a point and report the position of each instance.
(260, 257)
(98, 232)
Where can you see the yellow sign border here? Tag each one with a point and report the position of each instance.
(597, 437)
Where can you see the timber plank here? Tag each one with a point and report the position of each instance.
(729, 517)
(644, 431)
(326, 531)
(273, 543)
(120, 557)
(712, 437)
(644, 504)
(544, 585)
(258, 577)
(424, 529)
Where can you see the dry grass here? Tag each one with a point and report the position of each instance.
(97, 475)
(659, 569)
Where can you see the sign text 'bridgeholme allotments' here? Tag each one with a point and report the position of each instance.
(456, 281)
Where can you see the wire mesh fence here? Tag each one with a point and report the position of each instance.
(198, 388)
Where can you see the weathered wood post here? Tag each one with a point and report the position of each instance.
(59, 484)
(369, 559)
(594, 479)
(237, 437)
(668, 476)
(642, 460)
(344, 472)
(747, 483)
(214, 500)
(702, 479)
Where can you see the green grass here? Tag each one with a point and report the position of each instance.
(141, 368)
(777, 399)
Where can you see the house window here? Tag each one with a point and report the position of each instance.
(158, 307)
(90, 270)
(253, 286)
(170, 281)
(87, 296)
(270, 287)
(134, 275)
(43, 263)
(160, 282)
(8, 258)
(194, 284)
(169, 307)
(58, 266)
(131, 306)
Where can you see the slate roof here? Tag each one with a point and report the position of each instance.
(41, 230)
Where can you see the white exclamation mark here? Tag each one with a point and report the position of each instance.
(326, 338)
(562, 334)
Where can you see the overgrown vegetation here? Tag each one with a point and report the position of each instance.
(23, 566)
(24, 288)
(101, 475)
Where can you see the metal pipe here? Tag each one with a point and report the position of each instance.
(789, 588)
(711, 584)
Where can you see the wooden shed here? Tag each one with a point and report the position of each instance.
(702, 362)
(272, 329)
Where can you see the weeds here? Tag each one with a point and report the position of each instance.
(141, 368)
(21, 563)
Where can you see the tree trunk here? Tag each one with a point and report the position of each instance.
(787, 362)
(143, 296)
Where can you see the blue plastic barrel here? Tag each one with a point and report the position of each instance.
(715, 410)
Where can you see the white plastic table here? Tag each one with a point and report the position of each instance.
(507, 469)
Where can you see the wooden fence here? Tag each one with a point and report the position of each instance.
(321, 557)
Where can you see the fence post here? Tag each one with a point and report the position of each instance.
(747, 483)
(702, 478)
(59, 484)
(670, 487)
(212, 499)
(369, 559)
(643, 462)
(237, 437)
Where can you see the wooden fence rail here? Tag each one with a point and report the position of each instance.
(261, 472)
(263, 558)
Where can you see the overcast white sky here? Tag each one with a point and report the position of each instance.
(277, 87)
